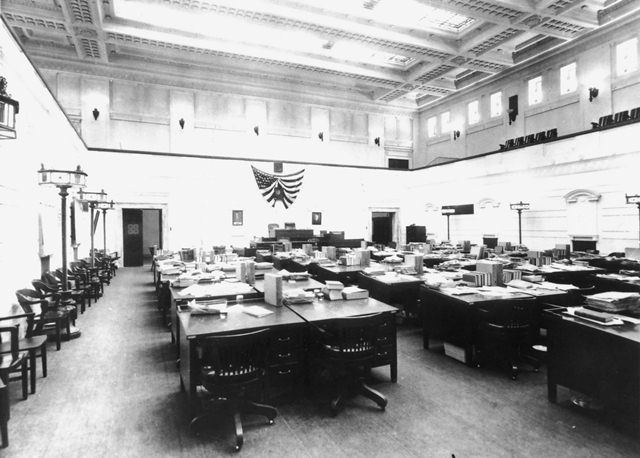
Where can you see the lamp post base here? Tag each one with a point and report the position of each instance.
(75, 333)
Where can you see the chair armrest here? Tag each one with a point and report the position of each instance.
(13, 331)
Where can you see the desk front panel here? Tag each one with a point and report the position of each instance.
(599, 361)
(453, 319)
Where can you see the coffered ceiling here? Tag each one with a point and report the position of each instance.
(404, 53)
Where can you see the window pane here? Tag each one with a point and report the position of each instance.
(473, 111)
(535, 90)
(445, 125)
(568, 80)
(431, 126)
(627, 57)
(496, 104)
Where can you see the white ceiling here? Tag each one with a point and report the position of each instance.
(393, 52)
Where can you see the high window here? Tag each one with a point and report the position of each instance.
(568, 79)
(431, 126)
(496, 104)
(627, 57)
(535, 90)
(473, 112)
(445, 122)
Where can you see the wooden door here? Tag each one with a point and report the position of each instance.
(382, 229)
(132, 237)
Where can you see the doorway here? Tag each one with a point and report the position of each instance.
(382, 227)
(141, 231)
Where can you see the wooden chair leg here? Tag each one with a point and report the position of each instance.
(32, 369)
(25, 380)
(4, 431)
(58, 335)
(43, 357)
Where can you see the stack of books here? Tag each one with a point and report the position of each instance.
(478, 278)
(492, 267)
(511, 274)
(353, 292)
(613, 301)
(333, 290)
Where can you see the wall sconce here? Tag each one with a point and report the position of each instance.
(8, 110)
(377, 141)
(321, 136)
(593, 93)
(512, 110)
(456, 134)
(181, 122)
(256, 129)
(96, 114)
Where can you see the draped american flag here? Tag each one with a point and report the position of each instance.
(283, 188)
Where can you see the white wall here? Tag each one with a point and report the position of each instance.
(605, 162)
(44, 136)
(569, 113)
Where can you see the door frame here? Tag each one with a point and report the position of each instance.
(117, 223)
(396, 232)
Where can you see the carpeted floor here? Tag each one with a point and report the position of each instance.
(115, 392)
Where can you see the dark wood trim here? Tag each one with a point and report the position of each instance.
(231, 158)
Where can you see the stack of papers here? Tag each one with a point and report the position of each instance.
(613, 301)
(353, 292)
(298, 296)
(257, 311)
(212, 307)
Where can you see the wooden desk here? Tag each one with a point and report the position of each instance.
(612, 282)
(345, 274)
(288, 327)
(393, 289)
(598, 361)
(581, 276)
(322, 312)
(287, 264)
(453, 318)
(285, 350)
(306, 285)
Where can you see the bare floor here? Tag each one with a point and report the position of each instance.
(115, 391)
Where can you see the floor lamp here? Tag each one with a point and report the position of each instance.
(519, 207)
(93, 198)
(635, 199)
(448, 212)
(64, 180)
(104, 206)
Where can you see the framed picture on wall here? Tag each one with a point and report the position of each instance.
(316, 218)
(237, 217)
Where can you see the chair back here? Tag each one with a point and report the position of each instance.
(234, 359)
(576, 296)
(353, 339)
(514, 320)
(43, 288)
(51, 280)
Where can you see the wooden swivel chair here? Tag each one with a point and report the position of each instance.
(347, 350)
(230, 366)
(506, 330)
(14, 360)
(47, 319)
(33, 342)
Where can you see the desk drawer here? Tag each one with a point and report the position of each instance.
(284, 375)
(284, 356)
(384, 355)
(285, 340)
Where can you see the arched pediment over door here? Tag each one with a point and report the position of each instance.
(582, 214)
